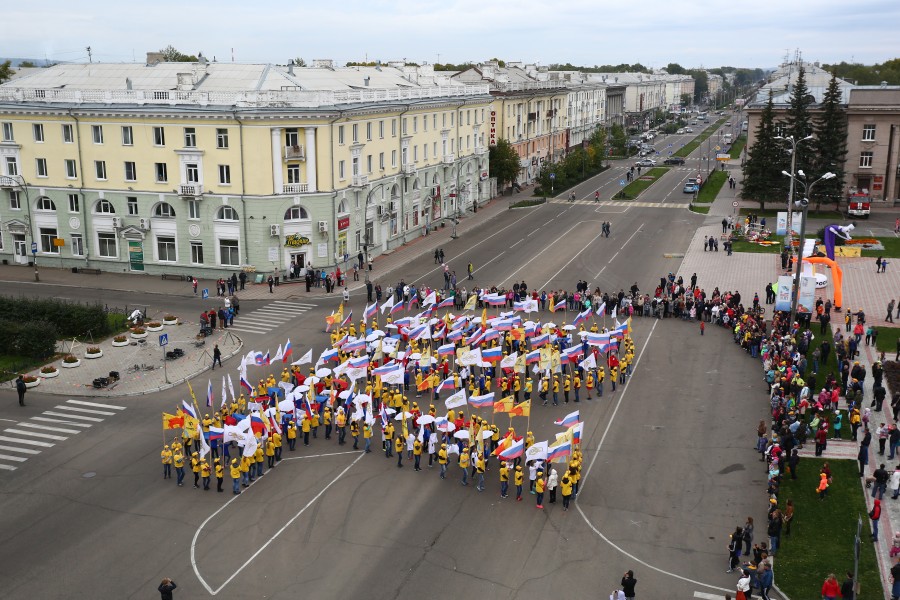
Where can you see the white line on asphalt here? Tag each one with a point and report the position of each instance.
(12, 458)
(22, 450)
(56, 414)
(10, 420)
(623, 245)
(289, 303)
(39, 435)
(61, 422)
(83, 403)
(538, 255)
(535, 231)
(248, 330)
(7, 468)
(517, 243)
(85, 410)
(705, 596)
(3, 438)
(585, 247)
(43, 427)
(269, 541)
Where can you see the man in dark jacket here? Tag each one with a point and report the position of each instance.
(848, 591)
(165, 588)
(628, 583)
(20, 388)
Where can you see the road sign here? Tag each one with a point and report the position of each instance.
(164, 339)
(622, 182)
(34, 247)
(205, 293)
(718, 148)
(735, 204)
(723, 156)
(552, 175)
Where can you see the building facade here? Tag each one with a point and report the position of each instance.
(207, 168)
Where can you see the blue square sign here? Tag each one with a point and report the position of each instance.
(164, 339)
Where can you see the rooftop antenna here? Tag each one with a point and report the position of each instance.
(90, 60)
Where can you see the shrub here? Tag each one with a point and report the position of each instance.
(70, 359)
(31, 339)
(120, 339)
(48, 369)
(70, 319)
(93, 350)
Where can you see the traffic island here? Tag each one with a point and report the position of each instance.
(633, 189)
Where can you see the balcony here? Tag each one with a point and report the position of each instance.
(294, 153)
(359, 181)
(410, 169)
(294, 188)
(449, 159)
(11, 181)
(190, 190)
(481, 150)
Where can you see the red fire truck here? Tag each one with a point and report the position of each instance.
(859, 204)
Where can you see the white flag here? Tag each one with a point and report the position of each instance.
(537, 451)
(223, 392)
(589, 363)
(389, 345)
(231, 388)
(395, 377)
(279, 354)
(430, 299)
(509, 362)
(233, 434)
(204, 446)
(456, 400)
(250, 444)
(389, 303)
(613, 314)
(531, 305)
(306, 358)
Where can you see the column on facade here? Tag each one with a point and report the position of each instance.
(311, 158)
(277, 170)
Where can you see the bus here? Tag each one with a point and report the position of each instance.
(702, 116)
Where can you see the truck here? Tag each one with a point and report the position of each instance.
(859, 204)
(727, 138)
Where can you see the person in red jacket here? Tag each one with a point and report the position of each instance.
(875, 515)
(831, 589)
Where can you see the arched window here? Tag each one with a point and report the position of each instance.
(395, 191)
(296, 213)
(435, 180)
(104, 207)
(342, 207)
(164, 210)
(44, 203)
(227, 213)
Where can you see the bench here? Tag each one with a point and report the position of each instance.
(173, 276)
(89, 271)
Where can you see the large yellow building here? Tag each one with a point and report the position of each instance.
(191, 167)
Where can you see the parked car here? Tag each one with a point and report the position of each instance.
(691, 186)
(674, 160)
(645, 162)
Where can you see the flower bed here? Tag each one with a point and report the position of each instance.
(138, 333)
(170, 320)
(31, 381)
(93, 352)
(70, 362)
(49, 371)
(154, 326)
(120, 341)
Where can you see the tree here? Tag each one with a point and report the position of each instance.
(799, 122)
(172, 54)
(619, 140)
(701, 84)
(763, 181)
(675, 69)
(503, 162)
(27, 64)
(5, 71)
(830, 145)
(686, 99)
(299, 62)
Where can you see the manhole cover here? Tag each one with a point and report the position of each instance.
(89, 474)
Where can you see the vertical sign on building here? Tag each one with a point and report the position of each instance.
(493, 136)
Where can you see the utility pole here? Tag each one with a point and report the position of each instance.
(90, 59)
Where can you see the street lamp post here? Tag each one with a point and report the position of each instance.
(790, 199)
(366, 240)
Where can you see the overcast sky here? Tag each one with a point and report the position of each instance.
(583, 32)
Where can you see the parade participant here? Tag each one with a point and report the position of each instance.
(245, 470)
(539, 489)
(259, 457)
(327, 420)
(504, 479)
(387, 440)
(276, 439)
(417, 453)
(398, 448)
(178, 461)
(292, 436)
(220, 474)
(354, 433)
(341, 422)
(235, 473)
(552, 483)
(566, 490)
(442, 460)
(205, 471)
(166, 455)
(195, 467)
(519, 481)
(270, 453)
(464, 465)
(367, 436)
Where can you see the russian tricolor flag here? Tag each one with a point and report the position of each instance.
(601, 312)
(446, 350)
(494, 354)
(446, 303)
(541, 340)
(559, 451)
(582, 317)
(576, 432)
(455, 335)
(347, 320)
(447, 385)
(514, 450)
(288, 351)
(475, 339)
(355, 345)
(569, 420)
(246, 384)
(413, 301)
(360, 362)
(561, 305)
(370, 311)
(482, 401)
(397, 307)
(256, 423)
(441, 423)
(530, 330)
(188, 408)
(330, 354)
(385, 369)
(533, 357)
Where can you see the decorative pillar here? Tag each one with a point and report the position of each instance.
(311, 158)
(277, 162)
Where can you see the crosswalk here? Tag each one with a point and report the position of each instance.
(29, 438)
(621, 203)
(269, 317)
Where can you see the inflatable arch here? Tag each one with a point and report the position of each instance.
(837, 276)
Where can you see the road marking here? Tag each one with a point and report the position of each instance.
(269, 541)
(56, 414)
(83, 403)
(85, 410)
(40, 435)
(517, 243)
(61, 422)
(22, 450)
(623, 245)
(12, 458)
(297, 304)
(7, 467)
(48, 428)
(3, 438)
(705, 596)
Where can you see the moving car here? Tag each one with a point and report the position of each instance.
(645, 162)
(680, 131)
(674, 160)
(691, 186)
(689, 129)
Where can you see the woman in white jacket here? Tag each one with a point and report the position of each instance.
(552, 483)
(895, 484)
(743, 585)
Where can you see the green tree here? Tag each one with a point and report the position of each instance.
(830, 146)
(5, 71)
(503, 162)
(800, 123)
(172, 54)
(27, 64)
(675, 69)
(619, 141)
(686, 99)
(766, 159)
(299, 62)
(701, 84)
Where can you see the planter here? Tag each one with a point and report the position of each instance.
(66, 365)
(170, 322)
(160, 328)
(139, 336)
(120, 344)
(50, 375)
(93, 355)
(31, 384)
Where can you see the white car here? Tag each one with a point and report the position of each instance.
(680, 131)
(689, 129)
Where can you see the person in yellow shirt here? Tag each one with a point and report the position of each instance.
(589, 383)
(270, 453)
(341, 422)
(417, 453)
(464, 466)
(292, 436)
(276, 439)
(528, 387)
(285, 375)
(504, 479)
(539, 489)
(519, 481)
(545, 387)
(442, 460)
(576, 385)
(327, 419)
(565, 488)
(246, 465)
(529, 440)
(479, 469)
(556, 390)
(305, 427)
(387, 439)
(367, 436)
(261, 388)
(166, 456)
(495, 437)
(517, 387)
(487, 384)
(398, 448)
(220, 474)
(418, 384)
(235, 473)
(205, 473)
(567, 387)
(178, 461)
(206, 423)
(613, 377)
(354, 433)
(601, 375)
(195, 467)
(260, 462)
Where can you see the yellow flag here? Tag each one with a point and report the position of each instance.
(522, 410)
(484, 316)
(470, 303)
(504, 405)
(172, 421)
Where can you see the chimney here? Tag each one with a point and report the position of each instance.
(366, 81)
(291, 67)
(154, 58)
(128, 83)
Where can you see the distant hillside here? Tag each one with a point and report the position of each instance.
(38, 62)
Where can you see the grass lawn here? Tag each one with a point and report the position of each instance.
(11, 365)
(527, 203)
(693, 145)
(637, 186)
(887, 338)
(711, 188)
(703, 210)
(738, 146)
(744, 246)
(822, 534)
(891, 249)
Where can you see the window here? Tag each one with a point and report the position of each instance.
(8, 132)
(227, 213)
(225, 174)
(341, 170)
(291, 137)
(865, 160)
(425, 151)
(100, 168)
(40, 167)
(48, 234)
(295, 213)
(132, 206)
(394, 158)
(228, 253)
(12, 167)
(192, 171)
(415, 124)
(381, 129)
(393, 127)
(190, 137)
(162, 173)
(369, 131)
(368, 163)
(104, 207)
(77, 245)
(127, 136)
(67, 135)
(293, 173)
(403, 126)
(97, 133)
(71, 169)
(159, 136)
(130, 171)
(415, 153)
(193, 209)
(165, 248)
(74, 203)
(197, 253)
(355, 132)
(868, 133)
(221, 142)
(340, 134)
(164, 210)
(425, 122)
(38, 131)
(381, 160)
(44, 203)
(106, 245)
(15, 201)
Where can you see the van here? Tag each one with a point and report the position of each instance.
(727, 138)
(744, 126)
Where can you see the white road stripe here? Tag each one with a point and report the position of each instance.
(7, 467)
(706, 596)
(28, 442)
(56, 414)
(40, 435)
(264, 319)
(12, 458)
(85, 410)
(287, 303)
(248, 330)
(61, 422)
(43, 427)
(283, 308)
(83, 403)
(22, 450)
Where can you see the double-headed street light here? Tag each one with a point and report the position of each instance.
(790, 199)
